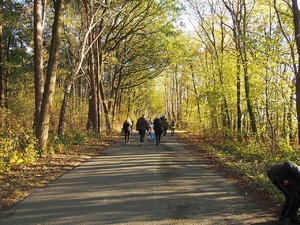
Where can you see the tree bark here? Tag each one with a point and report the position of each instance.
(63, 110)
(98, 75)
(296, 14)
(247, 94)
(38, 60)
(2, 92)
(196, 94)
(105, 108)
(43, 125)
(289, 119)
(238, 99)
(245, 66)
(92, 116)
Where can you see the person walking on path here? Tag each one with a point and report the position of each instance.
(286, 177)
(142, 127)
(132, 123)
(172, 127)
(165, 124)
(150, 125)
(158, 129)
(127, 130)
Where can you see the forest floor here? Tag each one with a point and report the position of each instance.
(17, 184)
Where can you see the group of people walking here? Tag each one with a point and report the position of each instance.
(158, 126)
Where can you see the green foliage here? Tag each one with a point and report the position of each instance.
(17, 143)
(62, 144)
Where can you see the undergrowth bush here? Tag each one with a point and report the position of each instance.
(254, 158)
(62, 144)
(17, 147)
(18, 144)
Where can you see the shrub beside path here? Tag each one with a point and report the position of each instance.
(130, 184)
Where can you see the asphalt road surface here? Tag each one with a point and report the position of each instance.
(135, 185)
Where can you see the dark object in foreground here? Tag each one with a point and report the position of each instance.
(286, 177)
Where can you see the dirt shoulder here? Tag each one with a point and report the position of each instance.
(21, 182)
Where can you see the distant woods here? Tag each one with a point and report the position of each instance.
(69, 66)
(243, 69)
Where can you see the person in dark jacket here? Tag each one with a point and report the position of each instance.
(142, 127)
(165, 124)
(286, 177)
(127, 130)
(172, 127)
(158, 129)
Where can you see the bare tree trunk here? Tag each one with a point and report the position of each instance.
(196, 94)
(2, 97)
(166, 97)
(238, 99)
(296, 14)
(43, 125)
(63, 110)
(93, 94)
(116, 96)
(7, 70)
(92, 116)
(38, 59)
(245, 66)
(220, 60)
(98, 73)
(247, 94)
(128, 104)
(289, 119)
(105, 109)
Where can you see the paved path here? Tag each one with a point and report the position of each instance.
(140, 185)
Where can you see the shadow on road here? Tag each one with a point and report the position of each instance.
(130, 184)
(273, 222)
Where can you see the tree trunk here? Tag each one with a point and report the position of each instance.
(196, 94)
(289, 119)
(105, 109)
(43, 125)
(2, 97)
(243, 32)
(128, 104)
(92, 116)
(296, 14)
(238, 99)
(98, 73)
(116, 96)
(247, 94)
(63, 110)
(38, 60)
(92, 120)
